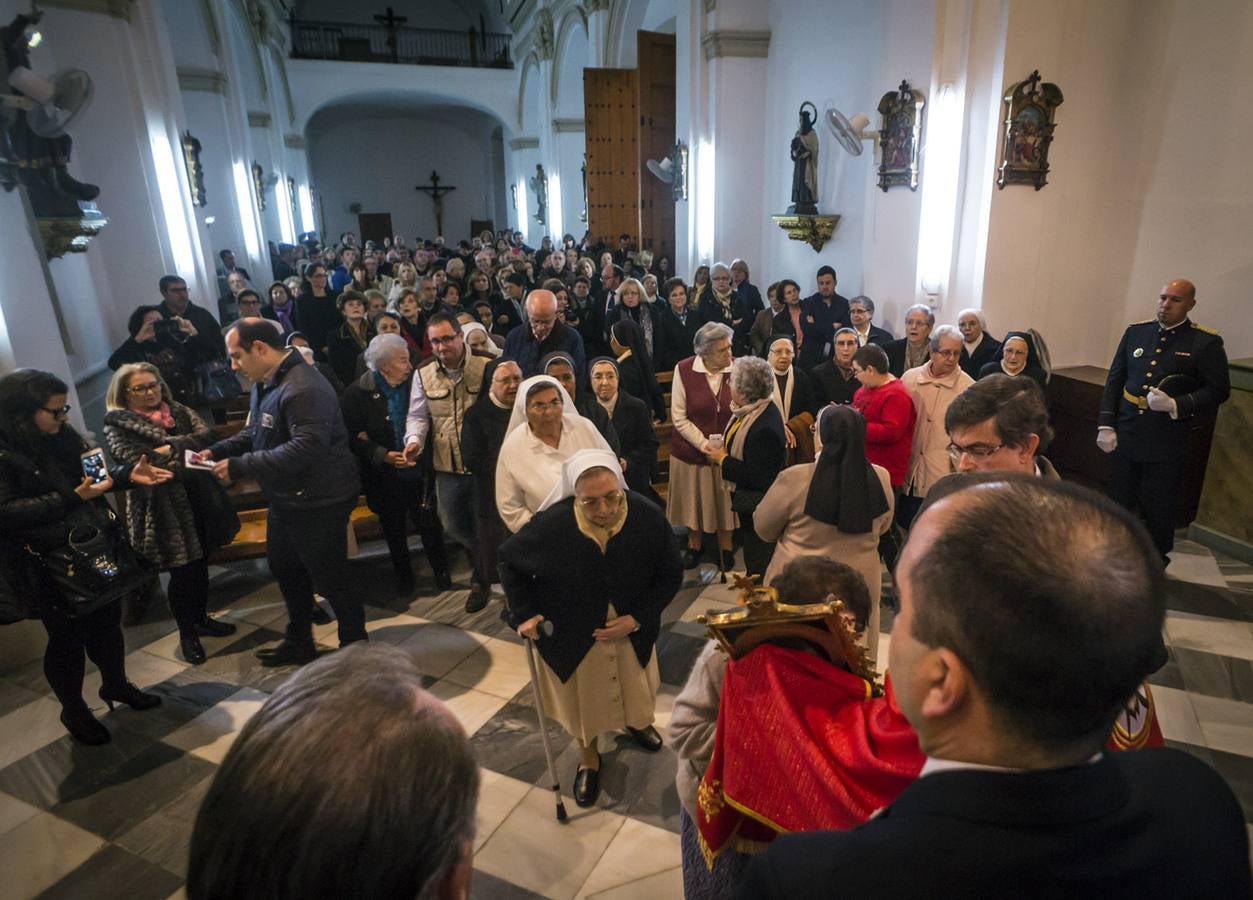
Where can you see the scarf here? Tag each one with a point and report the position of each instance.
(283, 314)
(742, 419)
(724, 300)
(600, 536)
(397, 407)
(359, 338)
(844, 490)
(161, 417)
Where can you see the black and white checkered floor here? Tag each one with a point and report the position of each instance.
(114, 821)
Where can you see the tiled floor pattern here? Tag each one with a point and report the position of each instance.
(115, 821)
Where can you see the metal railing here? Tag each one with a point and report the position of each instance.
(347, 42)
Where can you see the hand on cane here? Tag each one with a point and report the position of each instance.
(530, 628)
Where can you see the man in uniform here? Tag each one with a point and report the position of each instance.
(1145, 412)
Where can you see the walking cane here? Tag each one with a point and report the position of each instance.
(722, 572)
(546, 630)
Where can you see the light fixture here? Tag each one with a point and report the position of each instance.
(209, 220)
(705, 200)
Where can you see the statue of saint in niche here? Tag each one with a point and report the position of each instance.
(804, 153)
(539, 184)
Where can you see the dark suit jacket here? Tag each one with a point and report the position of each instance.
(673, 339)
(880, 336)
(1143, 823)
(637, 442)
(984, 354)
(896, 356)
(765, 452)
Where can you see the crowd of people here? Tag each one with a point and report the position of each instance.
(512, 402)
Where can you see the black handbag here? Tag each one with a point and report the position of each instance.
(95, 567)
(216, 382)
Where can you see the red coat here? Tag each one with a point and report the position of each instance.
(890, 415)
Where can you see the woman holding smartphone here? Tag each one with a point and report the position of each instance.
(175, 525)
(42, 483)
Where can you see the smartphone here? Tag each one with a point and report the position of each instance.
(94, 466)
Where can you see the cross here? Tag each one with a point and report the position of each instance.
(437, 194)
(391, 22)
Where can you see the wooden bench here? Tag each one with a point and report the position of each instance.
(251, 540)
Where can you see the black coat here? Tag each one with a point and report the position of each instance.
(739, 320)
(639, 443)
(318, 317)
(810, 353)
(897, 355)
(550, 568)
(587, 407)
(342, 351)
(208, 339)
(765, 454)
(1146, 823)
(880, 336)
(830, 386)
(482, 433)
(972, 364)
(295, 443)
(632, 379)
(365, 412)
(673, 340)
(751, 296)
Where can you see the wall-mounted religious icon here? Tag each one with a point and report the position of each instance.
(195, 171)
(900, 137)
(1029, 111)
(804, 154)
(258, 184)
(539, 184)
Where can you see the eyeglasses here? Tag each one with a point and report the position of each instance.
(974, 451)
(443, 340)
(610, 500)
(57, 413)
(508, 379)
(150, 388)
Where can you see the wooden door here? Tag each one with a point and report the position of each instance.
(374, 227)
(611, 117)
(478, 226)
(656, 85)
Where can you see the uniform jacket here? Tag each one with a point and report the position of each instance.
(295, 443)
(1146, 355)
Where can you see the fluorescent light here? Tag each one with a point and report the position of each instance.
(247, 218)
(554, 207)
(705, 203)
(306, 210)
(522, 204)
(942, 155)
(209, 220)
(172, 194)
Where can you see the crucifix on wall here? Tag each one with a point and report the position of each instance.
(437, 192)
(391, 22)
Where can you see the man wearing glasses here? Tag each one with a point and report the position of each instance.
(1000, 424)
(205, 331)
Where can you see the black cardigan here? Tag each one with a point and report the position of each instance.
(765, 454)
(550, 568)
(638, 441)
(482, 433)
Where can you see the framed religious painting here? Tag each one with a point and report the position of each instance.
(1029, 110)
(258, 184)
(900, 137)
(195, 171)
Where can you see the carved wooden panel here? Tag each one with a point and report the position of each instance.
(611, 114)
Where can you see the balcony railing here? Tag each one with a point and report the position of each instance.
(415, 46)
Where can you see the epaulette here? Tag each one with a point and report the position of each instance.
(1145, 322)
(1206, 329)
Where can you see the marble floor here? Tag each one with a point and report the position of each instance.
(114, 821)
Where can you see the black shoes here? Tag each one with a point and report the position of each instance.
(479, 595)
(586, 786)
(728, 560)
(84, 727)
(193, 650)
(691, 559)
(214, 628)
(288, 653)
(647, 738)
(443, 580)
(130, 695)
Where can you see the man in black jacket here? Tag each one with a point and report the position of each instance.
(1031, 609)
(296, 446)
(176, 304)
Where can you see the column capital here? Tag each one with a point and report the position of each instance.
(728, 43)
(564, 125)
(258, 119)
(524, 143)
(202, 80)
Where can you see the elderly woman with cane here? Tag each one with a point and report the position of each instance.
(599, 563)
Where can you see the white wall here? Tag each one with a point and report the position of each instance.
(376, 157)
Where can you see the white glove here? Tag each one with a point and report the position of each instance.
(1159, 402)
(1106, 438)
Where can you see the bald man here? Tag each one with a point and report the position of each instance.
(1165, 372)
(543, 333)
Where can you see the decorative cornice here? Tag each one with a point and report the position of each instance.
(258, 119)
(562, 125)
(524, 143)
(202, 80)
(118, 9)
(293, 142)
(744, 44)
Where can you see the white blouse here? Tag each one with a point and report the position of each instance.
(527, 468)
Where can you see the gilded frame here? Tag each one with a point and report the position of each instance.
(1028, 132)
(195, 171)
(900, 138)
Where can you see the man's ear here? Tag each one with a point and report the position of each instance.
(948, 684)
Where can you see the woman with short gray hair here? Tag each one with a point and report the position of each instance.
(753, 452)
(721, 304)
(700, 407)
(375, 407)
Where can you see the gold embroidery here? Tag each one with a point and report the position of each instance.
(709, 798)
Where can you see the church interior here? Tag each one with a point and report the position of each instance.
(1050, 164)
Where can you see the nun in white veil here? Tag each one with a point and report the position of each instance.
(600, 563)
(544, 431)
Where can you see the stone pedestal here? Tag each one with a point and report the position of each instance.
(1224, 519)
